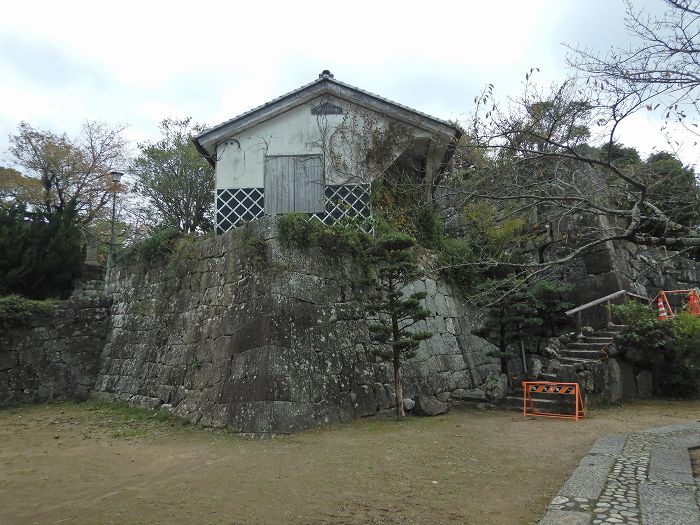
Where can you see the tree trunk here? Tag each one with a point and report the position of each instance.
(397, 385)
(395, 336)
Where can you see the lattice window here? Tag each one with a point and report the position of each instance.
(236, 206)
(346, 200)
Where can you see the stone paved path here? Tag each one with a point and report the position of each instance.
(641, 478)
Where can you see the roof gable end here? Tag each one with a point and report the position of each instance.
(207, 141)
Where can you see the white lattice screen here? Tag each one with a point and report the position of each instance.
(347, 200)
(236, 206)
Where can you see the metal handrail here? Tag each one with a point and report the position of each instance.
(605, 299)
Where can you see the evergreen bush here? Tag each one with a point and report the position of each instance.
(530, 315)
(162, 242)
(40, 253)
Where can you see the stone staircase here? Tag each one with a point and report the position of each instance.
(584, 349)
(591, 347)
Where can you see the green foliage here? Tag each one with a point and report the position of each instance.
(620, 155)
(670, 185)
(15, 187)
(176, 181)
(298, 229)
(256, 248)
(127, 420)
(457, 262)
(41, 253)
(17, 310)
(507, 356)
(529, 315)
(344, 237)
(429, 229)
(494, 236)
(555, 121)
(671, 348)
(68, 171)
(398, 200)
(399, 204)
(551, 301)
(158, 245)
(673, 187)
(392, 268)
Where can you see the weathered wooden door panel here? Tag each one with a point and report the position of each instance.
(279, 185)
(308, 185)
(294, 184)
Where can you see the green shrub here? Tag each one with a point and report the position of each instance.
(671, 348)
(181, 250)
(344, 237)
(256, 248)
(530, 314)
(296, 228)
(159, 244)
(16, 310)
(429, 228)
(40, 253)
(456, 260)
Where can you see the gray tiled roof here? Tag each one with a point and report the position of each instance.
(326, 77)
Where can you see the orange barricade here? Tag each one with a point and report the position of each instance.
(663, 300)
(553, 388)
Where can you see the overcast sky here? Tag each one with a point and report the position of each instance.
(140, 62)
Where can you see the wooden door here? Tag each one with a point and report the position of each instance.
(308, 185)
(293, 184)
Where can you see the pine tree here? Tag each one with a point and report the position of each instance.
(392, 268)
(528, 315)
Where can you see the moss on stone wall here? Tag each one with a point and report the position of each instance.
(16, 310)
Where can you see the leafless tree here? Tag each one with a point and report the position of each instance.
(664, 63)
(566, 197)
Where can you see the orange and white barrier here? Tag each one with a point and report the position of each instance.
(665, 310)
(553, 388)
(694, 304)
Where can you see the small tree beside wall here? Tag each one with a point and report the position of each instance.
(392, 268)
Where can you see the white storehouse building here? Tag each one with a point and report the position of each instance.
(317, 150)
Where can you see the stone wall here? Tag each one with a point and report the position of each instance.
(54, 356)
(625, 266)
(651, 270)
(270, 342)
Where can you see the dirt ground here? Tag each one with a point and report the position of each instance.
(91, 464)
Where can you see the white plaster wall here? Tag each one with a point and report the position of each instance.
(240, 160)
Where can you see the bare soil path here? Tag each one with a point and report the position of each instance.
(87, 464)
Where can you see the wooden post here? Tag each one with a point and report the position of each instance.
(608, 313)
(522, 354)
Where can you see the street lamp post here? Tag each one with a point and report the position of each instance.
(116, 177)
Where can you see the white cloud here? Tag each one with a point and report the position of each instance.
(140, 62)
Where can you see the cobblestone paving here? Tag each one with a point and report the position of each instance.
(619, 499)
